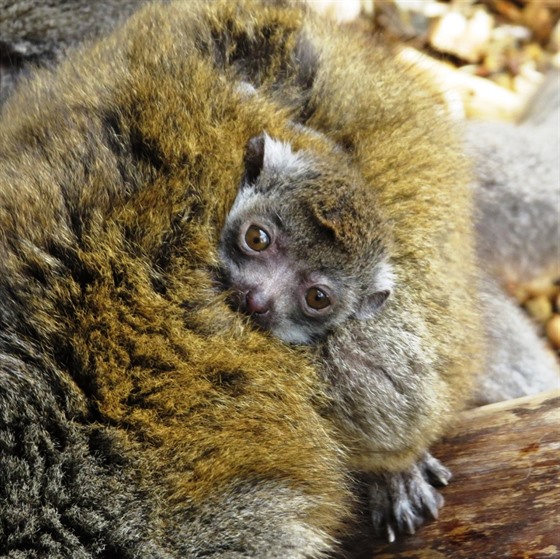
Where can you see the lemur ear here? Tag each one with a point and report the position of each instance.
(381, 289)
(264, 152)
(254, 158)
(371, 304)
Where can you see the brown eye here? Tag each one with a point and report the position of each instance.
(317, 299)
(257, 239)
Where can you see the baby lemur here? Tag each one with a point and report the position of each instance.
(306, 253)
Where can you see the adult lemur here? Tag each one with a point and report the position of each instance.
(140, 414)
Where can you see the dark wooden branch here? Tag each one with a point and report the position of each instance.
(504, 499)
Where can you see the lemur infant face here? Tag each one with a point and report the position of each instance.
(278, 259)
(281, 292)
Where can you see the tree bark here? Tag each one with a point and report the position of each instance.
(504, 498)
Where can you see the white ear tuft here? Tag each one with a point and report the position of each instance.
(242, 201)
(384, 277)
(278, 156)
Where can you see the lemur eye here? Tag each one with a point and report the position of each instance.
(257, 239)
(317, 299)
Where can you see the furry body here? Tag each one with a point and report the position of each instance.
(120, 362)
(517, 219)
(37, 33)
(518, 197)
(140, 416)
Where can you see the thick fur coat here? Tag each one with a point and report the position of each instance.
(140, 417)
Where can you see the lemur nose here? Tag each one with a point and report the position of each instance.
(255, 303)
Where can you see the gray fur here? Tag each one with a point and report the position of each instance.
(379, 390)
(231, 526)
(35, 28)
(518, 191)
(57, 498)
(518, 238)
(518, 363)
(36, 32)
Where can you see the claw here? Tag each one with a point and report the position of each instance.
(430, 501)
(401, 501)
(442, 477)
(433, 506)
(405, 515)
(390, 534)
(409, 521)
(436, 471)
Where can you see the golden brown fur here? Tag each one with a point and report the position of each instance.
(116, 174)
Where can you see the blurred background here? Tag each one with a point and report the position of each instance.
(492, 54)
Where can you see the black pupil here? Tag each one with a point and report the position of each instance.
(317, 299)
